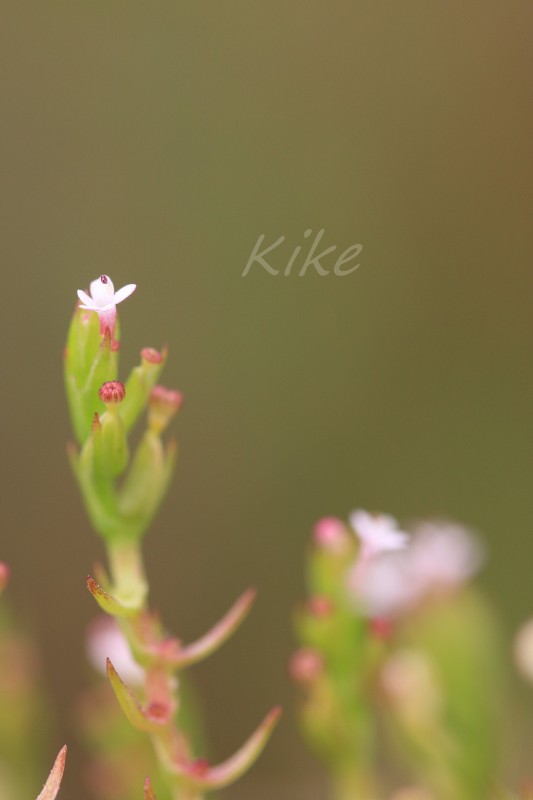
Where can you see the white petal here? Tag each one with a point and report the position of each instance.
(84, 297)
(107, 307)
(360, 521)
(102, 290)
(124, 292)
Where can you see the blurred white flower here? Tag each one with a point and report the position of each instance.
(523, 649)
(105, 640)
(444, 554)
(382, 588)
(440, 556)
(378, 533)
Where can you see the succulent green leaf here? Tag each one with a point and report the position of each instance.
(146, 483)
(107, 602)
(90, 360)
(140, 383)
(129, 704)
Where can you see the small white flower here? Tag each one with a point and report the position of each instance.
(378, 533)
(103, 299)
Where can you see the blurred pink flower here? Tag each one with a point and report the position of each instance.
(440, 557)
(105, 640)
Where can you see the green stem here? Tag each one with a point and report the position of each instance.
(354, 784)
(127, 573)
(130, 587)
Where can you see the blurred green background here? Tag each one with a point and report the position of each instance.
(155, 142)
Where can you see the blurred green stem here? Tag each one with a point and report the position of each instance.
(127, 573)
(354, 784)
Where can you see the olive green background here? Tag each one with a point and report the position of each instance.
(155, 142)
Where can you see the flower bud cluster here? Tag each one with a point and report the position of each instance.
(121, 491)
(393, 630)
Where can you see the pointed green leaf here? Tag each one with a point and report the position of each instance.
(129, 704)
(107, 602)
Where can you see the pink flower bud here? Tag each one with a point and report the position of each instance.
(331, 535)
(319, 606)
(306, 665)
(381, 628)
(164, 404)
(200, 767)
(4, 575)
(112, 392)
(151, 355)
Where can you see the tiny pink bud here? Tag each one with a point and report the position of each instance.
(4, 575)
(381, 628)
(164, 403)
(526, 789)
(112, 392)
(330, 534)
(306, 665)
(151, 355)
(168, 398)
(320, 606)
(200, 767)
(158, 712)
